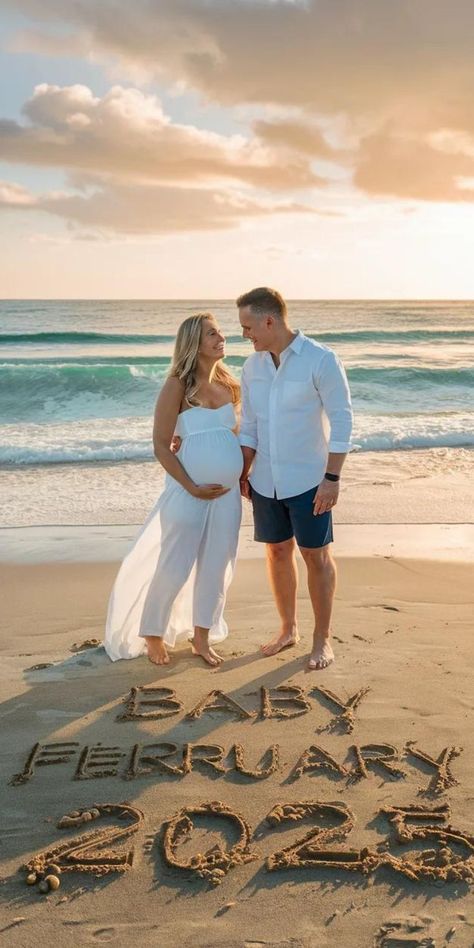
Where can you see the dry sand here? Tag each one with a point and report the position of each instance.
(402, 629)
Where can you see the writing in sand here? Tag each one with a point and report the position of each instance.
(448, 858)
(331, 823)
(178, 760)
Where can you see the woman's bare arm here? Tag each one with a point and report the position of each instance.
(164, 424)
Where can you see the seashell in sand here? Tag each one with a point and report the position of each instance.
(52, 881)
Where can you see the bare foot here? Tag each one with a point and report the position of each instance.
(321, 656)
(201, 647)
(281, 641)
(156, 650)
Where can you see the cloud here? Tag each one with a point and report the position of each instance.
(126, 134)
(118, 208)
(16, 196)
(134, 171)
(358, 56)
(48, 44)
(402, 75)
(64, 240)
(302, 137)
(400, 167)
(379, 64)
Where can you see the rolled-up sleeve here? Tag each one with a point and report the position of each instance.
(248, 420)
(332, 385)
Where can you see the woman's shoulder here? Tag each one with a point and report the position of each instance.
(173, 386)
(171, 393)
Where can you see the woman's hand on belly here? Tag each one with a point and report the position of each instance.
(208, 491)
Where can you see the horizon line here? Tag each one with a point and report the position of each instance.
(224, 299)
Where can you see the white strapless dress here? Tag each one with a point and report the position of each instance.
(177, 573)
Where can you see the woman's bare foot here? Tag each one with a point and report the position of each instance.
(156, 650)
(322, 655)
(201, 647)
(285, 639)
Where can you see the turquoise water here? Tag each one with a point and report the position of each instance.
(79, 379)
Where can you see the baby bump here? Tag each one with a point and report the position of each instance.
(212, 458)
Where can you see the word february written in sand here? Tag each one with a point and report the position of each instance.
(178, 760)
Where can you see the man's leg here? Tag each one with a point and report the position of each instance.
(283, 575)
(322, 586)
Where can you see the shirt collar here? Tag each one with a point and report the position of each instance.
(296, 346)
(297, 343)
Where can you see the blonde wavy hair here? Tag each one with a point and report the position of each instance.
(185, 361)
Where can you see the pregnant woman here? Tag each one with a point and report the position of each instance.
(173, 583)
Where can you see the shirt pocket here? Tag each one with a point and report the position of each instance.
(259, 395)
(295, 395)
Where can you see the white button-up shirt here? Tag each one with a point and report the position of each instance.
(293, 416)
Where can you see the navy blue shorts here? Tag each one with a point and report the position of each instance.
(278, 520)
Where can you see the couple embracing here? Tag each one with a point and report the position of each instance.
(279, 440)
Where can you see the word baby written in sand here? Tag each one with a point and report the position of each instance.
(284, 701)
(331, 823)
(173, 760)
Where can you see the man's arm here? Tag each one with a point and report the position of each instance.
(327, 494)
(335, 463)
(333, 388)
(248, 435)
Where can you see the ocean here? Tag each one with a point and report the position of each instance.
(79, 379)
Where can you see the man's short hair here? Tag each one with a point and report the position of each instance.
(262, 301)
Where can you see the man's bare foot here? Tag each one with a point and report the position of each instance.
(156, 650)
(321, 656)
(281, 641)
(201, 648)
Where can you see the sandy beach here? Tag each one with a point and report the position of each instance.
(402, 633)
(340, 802)
(236, 224)
(201, 196)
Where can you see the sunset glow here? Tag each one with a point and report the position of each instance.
(194, 148)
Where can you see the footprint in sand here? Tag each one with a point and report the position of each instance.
(411, 932)
(103, 934)
(126, 933)
(405, 941)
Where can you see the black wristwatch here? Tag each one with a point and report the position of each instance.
(332, 477)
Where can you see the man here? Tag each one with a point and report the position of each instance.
(293, 391)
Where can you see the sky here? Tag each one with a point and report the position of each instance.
(198, 148)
